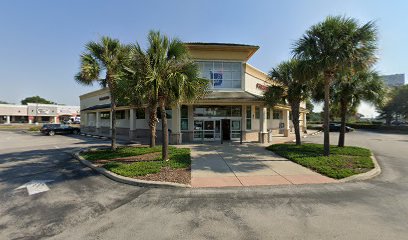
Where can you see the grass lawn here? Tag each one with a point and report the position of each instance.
(179, 158)
(342, 162)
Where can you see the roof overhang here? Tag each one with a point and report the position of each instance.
(221, 51)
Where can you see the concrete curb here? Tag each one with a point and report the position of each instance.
(94, 136)
(126, 180)
(364, 176)
(309, 134)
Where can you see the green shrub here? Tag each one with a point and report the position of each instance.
(34, 129)
(178, 158)
(134, 169)
(342, 162)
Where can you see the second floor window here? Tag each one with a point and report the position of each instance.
(221, 74)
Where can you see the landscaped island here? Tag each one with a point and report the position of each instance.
(144, 163)
(342, 162)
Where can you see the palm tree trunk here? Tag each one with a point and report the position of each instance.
(111, 86)
(165, 133)
(326, 120)
(113, 130)
(152, 123)
(295, 120)
(343, 113)
(388, 119)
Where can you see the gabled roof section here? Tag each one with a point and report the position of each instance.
(221, 44)
(221, 51)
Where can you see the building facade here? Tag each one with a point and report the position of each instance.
(36, 113)
(233, 109)
(394, 80)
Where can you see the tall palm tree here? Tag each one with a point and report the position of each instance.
(106, 56)
(166, 75)
(293, 85)
(335, 44)
(350, 89)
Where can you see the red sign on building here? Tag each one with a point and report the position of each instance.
(261, 87)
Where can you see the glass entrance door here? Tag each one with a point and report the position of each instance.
(207, 130)
(235, 129)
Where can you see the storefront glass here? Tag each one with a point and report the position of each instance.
(221, 74)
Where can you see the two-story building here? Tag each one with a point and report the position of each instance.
(233, 107)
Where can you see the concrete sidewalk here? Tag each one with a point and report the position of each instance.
(249, 164)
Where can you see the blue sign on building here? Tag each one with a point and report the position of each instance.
(217, 78)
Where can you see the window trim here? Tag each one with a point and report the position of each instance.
(242, 72)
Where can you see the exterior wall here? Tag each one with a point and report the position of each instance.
(42, 110)
(68, 110)
(13, 110)
(98, 97)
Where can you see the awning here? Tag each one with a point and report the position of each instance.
(233, 96)
(96, 107)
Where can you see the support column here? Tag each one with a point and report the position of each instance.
(7, 119)
(175, 125)
(55, 119)
(271, 129)
(98, 123)
(190, 122)
(304, 122)
(132, 123)
(30, 119)
(244, 117)
(263, 126)
(286, 123)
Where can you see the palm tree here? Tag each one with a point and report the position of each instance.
(166, 75)
(293, 86)
(335, 44)
(108, 56)
(350, 89)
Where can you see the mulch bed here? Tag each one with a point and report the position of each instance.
(167, 174)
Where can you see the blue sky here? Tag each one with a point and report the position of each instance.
(40, 41)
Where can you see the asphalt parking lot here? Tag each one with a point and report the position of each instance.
(81, 204)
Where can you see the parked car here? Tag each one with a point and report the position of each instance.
(398, 123)
(335, 127)
(52, 129)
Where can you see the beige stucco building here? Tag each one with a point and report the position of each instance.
(36, 113)
(234, 106)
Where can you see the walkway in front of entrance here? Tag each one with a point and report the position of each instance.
(250, 164)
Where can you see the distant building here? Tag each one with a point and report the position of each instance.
(394, 80)
(33, 112)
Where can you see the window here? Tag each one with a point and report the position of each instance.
(140, 113)
(221, 74)
(184, 117)
(290, 115)
(105, 115)
(276, 114)
(268, 113)
(236, 111)
(120, 114)
(248, 117)
(217, 111)
(257, 112)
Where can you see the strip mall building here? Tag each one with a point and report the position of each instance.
(233, 107)
(36, 113)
